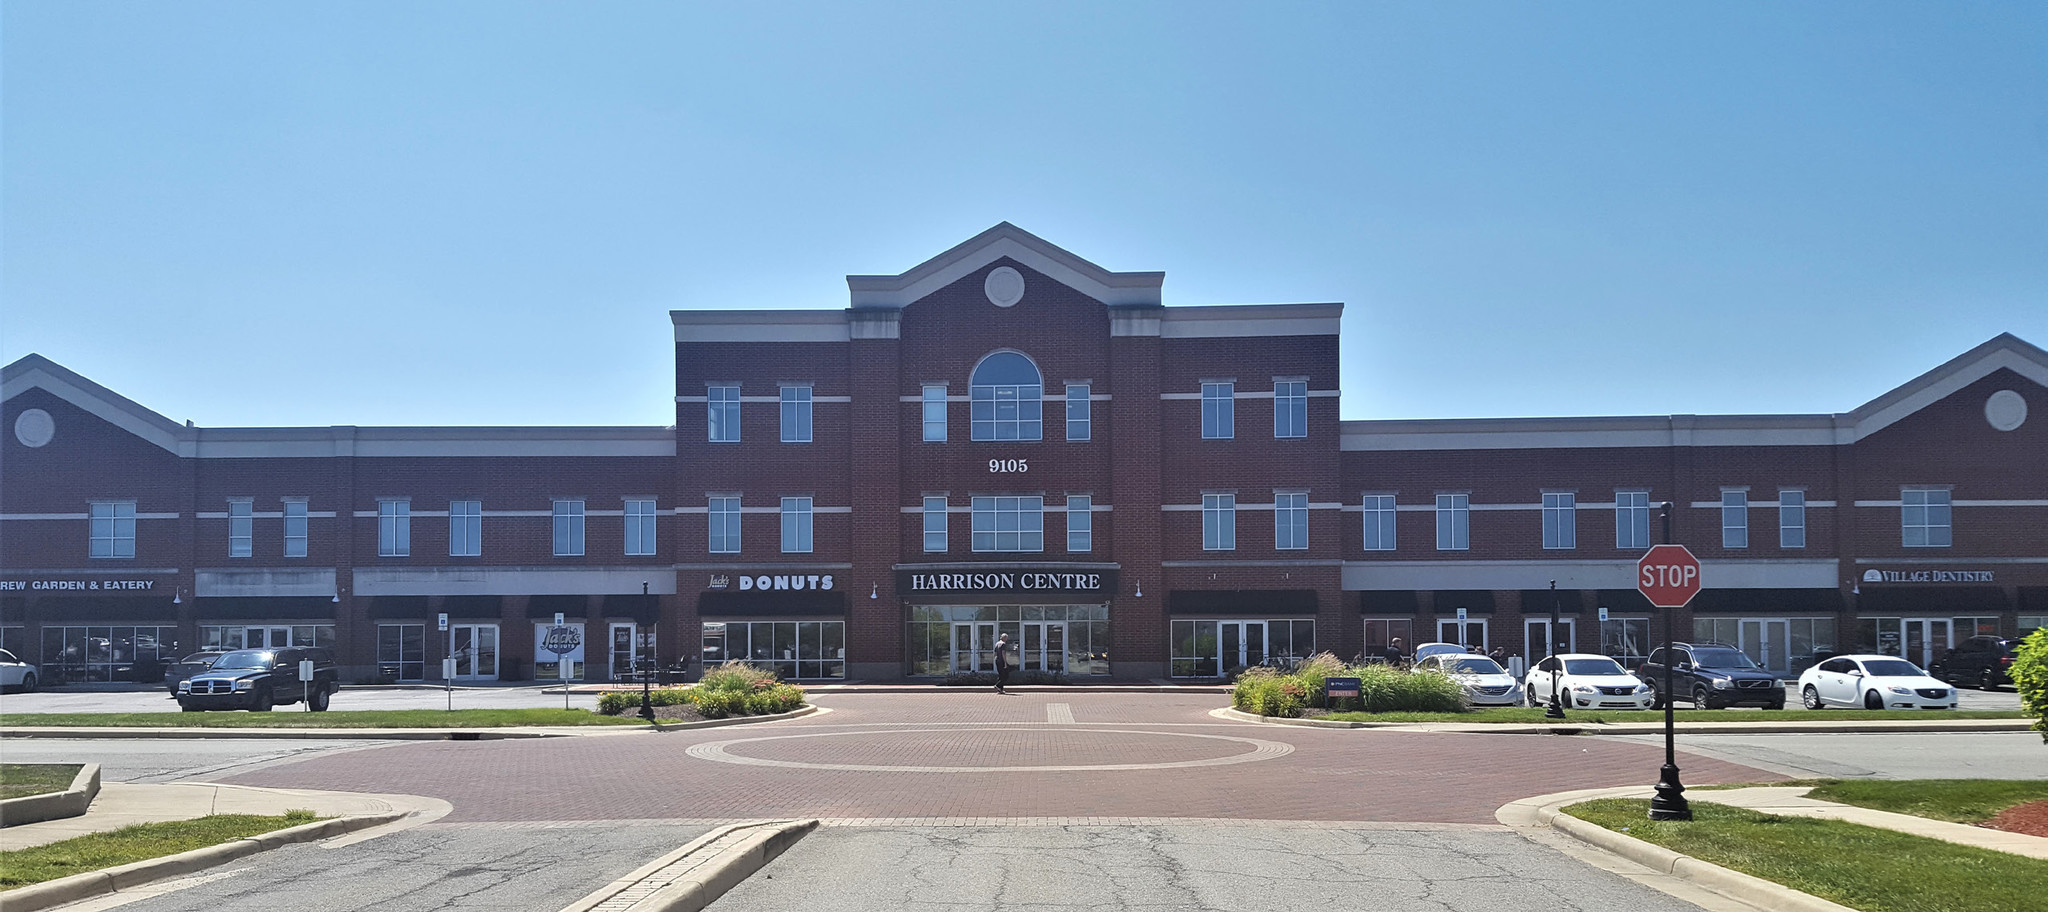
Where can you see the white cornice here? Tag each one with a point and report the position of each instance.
(1232, 320)
(1005, 240)
(761, 325)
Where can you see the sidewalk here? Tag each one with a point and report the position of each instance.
(120, 805)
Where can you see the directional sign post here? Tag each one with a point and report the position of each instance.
(1669, 576)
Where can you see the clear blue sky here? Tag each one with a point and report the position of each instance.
(480, 213)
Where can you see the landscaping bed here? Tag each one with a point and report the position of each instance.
(21, 780)
(141, 842)
(1533, 715)
(732, 689)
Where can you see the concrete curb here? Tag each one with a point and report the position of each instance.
(797, 713)
(129, 876)
(702, 884)
(1548, 810)
(388, 734)
(1817, 726)
(71, 802)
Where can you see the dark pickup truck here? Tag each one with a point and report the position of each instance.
(1713, 676)
(257, 679)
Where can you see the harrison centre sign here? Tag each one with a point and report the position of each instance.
(928, 582)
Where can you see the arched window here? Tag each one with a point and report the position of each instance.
(1009, 398)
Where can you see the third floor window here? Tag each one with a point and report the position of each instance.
(1924, 518)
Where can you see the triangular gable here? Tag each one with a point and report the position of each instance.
(2004, 351)
(37, 372)
(1006, 240)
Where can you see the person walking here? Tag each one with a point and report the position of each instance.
(1002, 662)
(1393, 654)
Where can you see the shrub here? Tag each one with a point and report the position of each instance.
(1382, 688)
(626, 702)
(736, 675)
(2030, 678)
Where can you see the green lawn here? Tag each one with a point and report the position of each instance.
(22, 867)
(20, 780)
(1534, 714)
(1954, 800)
(396, 718)
(1861, 867)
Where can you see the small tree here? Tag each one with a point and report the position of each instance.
(2030, 678)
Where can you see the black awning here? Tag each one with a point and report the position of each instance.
(1767, 602)
(399, 608)
(1622, 601)
(573, 607)
(1537, 601)
(289, 608)
(644, 609)
(1932, 600)
(1474, 601)
(65, 609)
(1400, 601)
(1242, 602)
(773, 603)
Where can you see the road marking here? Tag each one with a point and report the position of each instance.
(1059, 713)
(1261, 750)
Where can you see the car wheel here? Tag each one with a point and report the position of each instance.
(318, 701)
(1701, 698)
(262, 703)
(1988, 681)
(1811, 698)
(1532, 696)
(1873, 700)
(28, 683)
(1656, 697)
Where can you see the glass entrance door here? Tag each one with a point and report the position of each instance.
(1767, 642)
(1242, 643)
(266, 637)
(974, 646)
(475, 650)
(1466, 633)
(632, 649)
(1925, 639)
(1045, 646)
(1541, 643)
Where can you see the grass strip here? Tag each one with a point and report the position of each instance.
(20, 780)
(1861, 867)
(1534, 715)
(392, 718)
(143, 841)
(1953, 800)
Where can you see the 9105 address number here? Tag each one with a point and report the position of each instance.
(1004, 466)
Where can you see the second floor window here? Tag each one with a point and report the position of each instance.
(1290, 408)
(1734, 519)
(1632, 519)
(1560, 520)
(1290, 520)
(640, 523)
(796, 414)
(295, 528)
(465, 528)
(1008, 398)
(796, 525)
(241, 528)
(568, 528)
(724, 513)
(394, 528)
(1219, 522)
(1080, 419)
(1379, 522)
(1924, 517)
(1080, 522)
(1453, 522)
(1004, 523)
(1791, 519)
(722, 413)
(1219, 411)
(934, 405)
(112, 528)
(935, 525)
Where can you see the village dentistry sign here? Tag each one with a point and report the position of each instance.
(1928, 576)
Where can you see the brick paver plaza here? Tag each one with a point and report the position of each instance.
(941, 755)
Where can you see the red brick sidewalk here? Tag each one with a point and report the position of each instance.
(1330, 775)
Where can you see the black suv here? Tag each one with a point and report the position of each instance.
(1983, 662)
(257, 679)
(1713, 675)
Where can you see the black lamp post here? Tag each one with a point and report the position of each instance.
(1669, 802)
(646, 693)
(1556, 709)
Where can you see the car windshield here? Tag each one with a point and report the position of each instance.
(1892, 668)
(1475, 665)
(1592, 667)
(1722, 658)
(245, 658)
(201, 658)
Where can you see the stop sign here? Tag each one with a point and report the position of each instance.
(1669, 576)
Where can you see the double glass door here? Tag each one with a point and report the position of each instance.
(475, 650)
(1242, 643)
(267, 637)
(632, 650)
(1540, 641)
(1040, 645)
(1767, 642)
(1464, 633)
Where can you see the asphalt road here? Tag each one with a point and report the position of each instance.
(1892, 755)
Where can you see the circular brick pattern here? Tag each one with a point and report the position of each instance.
(2006, 410)
(992, 750)
(34, 427)
(1004, 286)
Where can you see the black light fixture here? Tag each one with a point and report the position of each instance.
(1556, 709)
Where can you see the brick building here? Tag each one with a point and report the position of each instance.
(1010, 438)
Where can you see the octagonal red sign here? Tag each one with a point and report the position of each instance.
(1669, 576)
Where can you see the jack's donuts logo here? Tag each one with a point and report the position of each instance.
(562, 640)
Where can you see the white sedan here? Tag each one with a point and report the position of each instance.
(16, 674)
(1484, 681)
(1586, 681)
(1873, 682)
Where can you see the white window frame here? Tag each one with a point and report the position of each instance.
(1631, 519)
(1028, 400)
(935, 524)
(722, 413)
(1791, 517)
(1380, 525)
(110, 532)
(1219, 409)
(1024, 515)
(569, 527)
(1290, 520)
(796, 525)
(1080, 523)
(394, 527)
(1290, 408)
(1734, 518)
(796, 413)
(465, 528)
(722, 523)
(933, 406)
(1454, 521)
(296, 533)
(1560, 520)
(241, 527)
(642, 526)
(1935, 510)
(1219, 522)
(1080, 413)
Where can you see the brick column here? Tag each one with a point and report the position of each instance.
(1138, 625)
(874, 626)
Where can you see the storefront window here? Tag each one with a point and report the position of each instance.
(1208, 649)
(1056, 639)
(791, 649)
(129, 653)
(265, 636)
(1381, 632)
(1625, 640)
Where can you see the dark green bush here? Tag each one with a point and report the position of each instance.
(2030, 678)
(1382, 688)
(731, 689)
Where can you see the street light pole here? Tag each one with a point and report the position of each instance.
(1669, 802)
(1556, 710)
